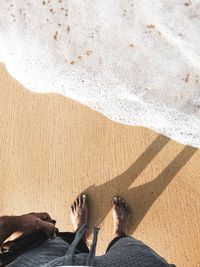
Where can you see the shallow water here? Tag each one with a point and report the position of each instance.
(137, 62)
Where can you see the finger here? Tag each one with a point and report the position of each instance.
(44, 216)
(56, 230)
(48, 228)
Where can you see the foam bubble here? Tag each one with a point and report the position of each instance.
(137, 62)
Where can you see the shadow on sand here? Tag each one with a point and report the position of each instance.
(142, 197)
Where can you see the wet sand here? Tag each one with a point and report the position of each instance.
(53, 148)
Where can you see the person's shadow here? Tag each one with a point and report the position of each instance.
(142, 197)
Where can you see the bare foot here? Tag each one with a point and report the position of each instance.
(121, 216)
(79, 212)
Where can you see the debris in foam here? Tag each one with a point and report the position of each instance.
(55, 35)
(89, 52)
(52, 11)
(187, 3)
(187, 78)
(68, 29)
(151, 26)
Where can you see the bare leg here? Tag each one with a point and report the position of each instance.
(79, 212)
(121, 217)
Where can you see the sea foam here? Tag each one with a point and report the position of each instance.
(137, 62)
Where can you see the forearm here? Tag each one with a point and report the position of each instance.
(8, 225)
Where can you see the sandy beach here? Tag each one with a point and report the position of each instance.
(53, 148)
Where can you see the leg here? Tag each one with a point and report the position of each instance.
(132, 251)
(121, 219)
(79, 212)
(79, 217)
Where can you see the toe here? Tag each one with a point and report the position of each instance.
(127, 210)
(77, 201)
(123, 203)
(72, 208)
(114, 202)
(119, 202)
(75, 204)
(80, 200)
(84, 199)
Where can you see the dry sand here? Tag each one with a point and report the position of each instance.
(53, 148)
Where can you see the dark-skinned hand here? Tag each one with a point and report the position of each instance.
(17, 227)
(32, 222)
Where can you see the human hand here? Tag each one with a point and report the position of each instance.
(15, 227)
(32, 222)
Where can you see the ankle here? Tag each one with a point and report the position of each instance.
(119, 233)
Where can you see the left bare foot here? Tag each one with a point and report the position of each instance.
(79, 212)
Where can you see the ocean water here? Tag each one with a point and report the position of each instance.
(135, 61)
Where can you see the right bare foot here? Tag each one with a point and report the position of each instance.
(121, 216)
